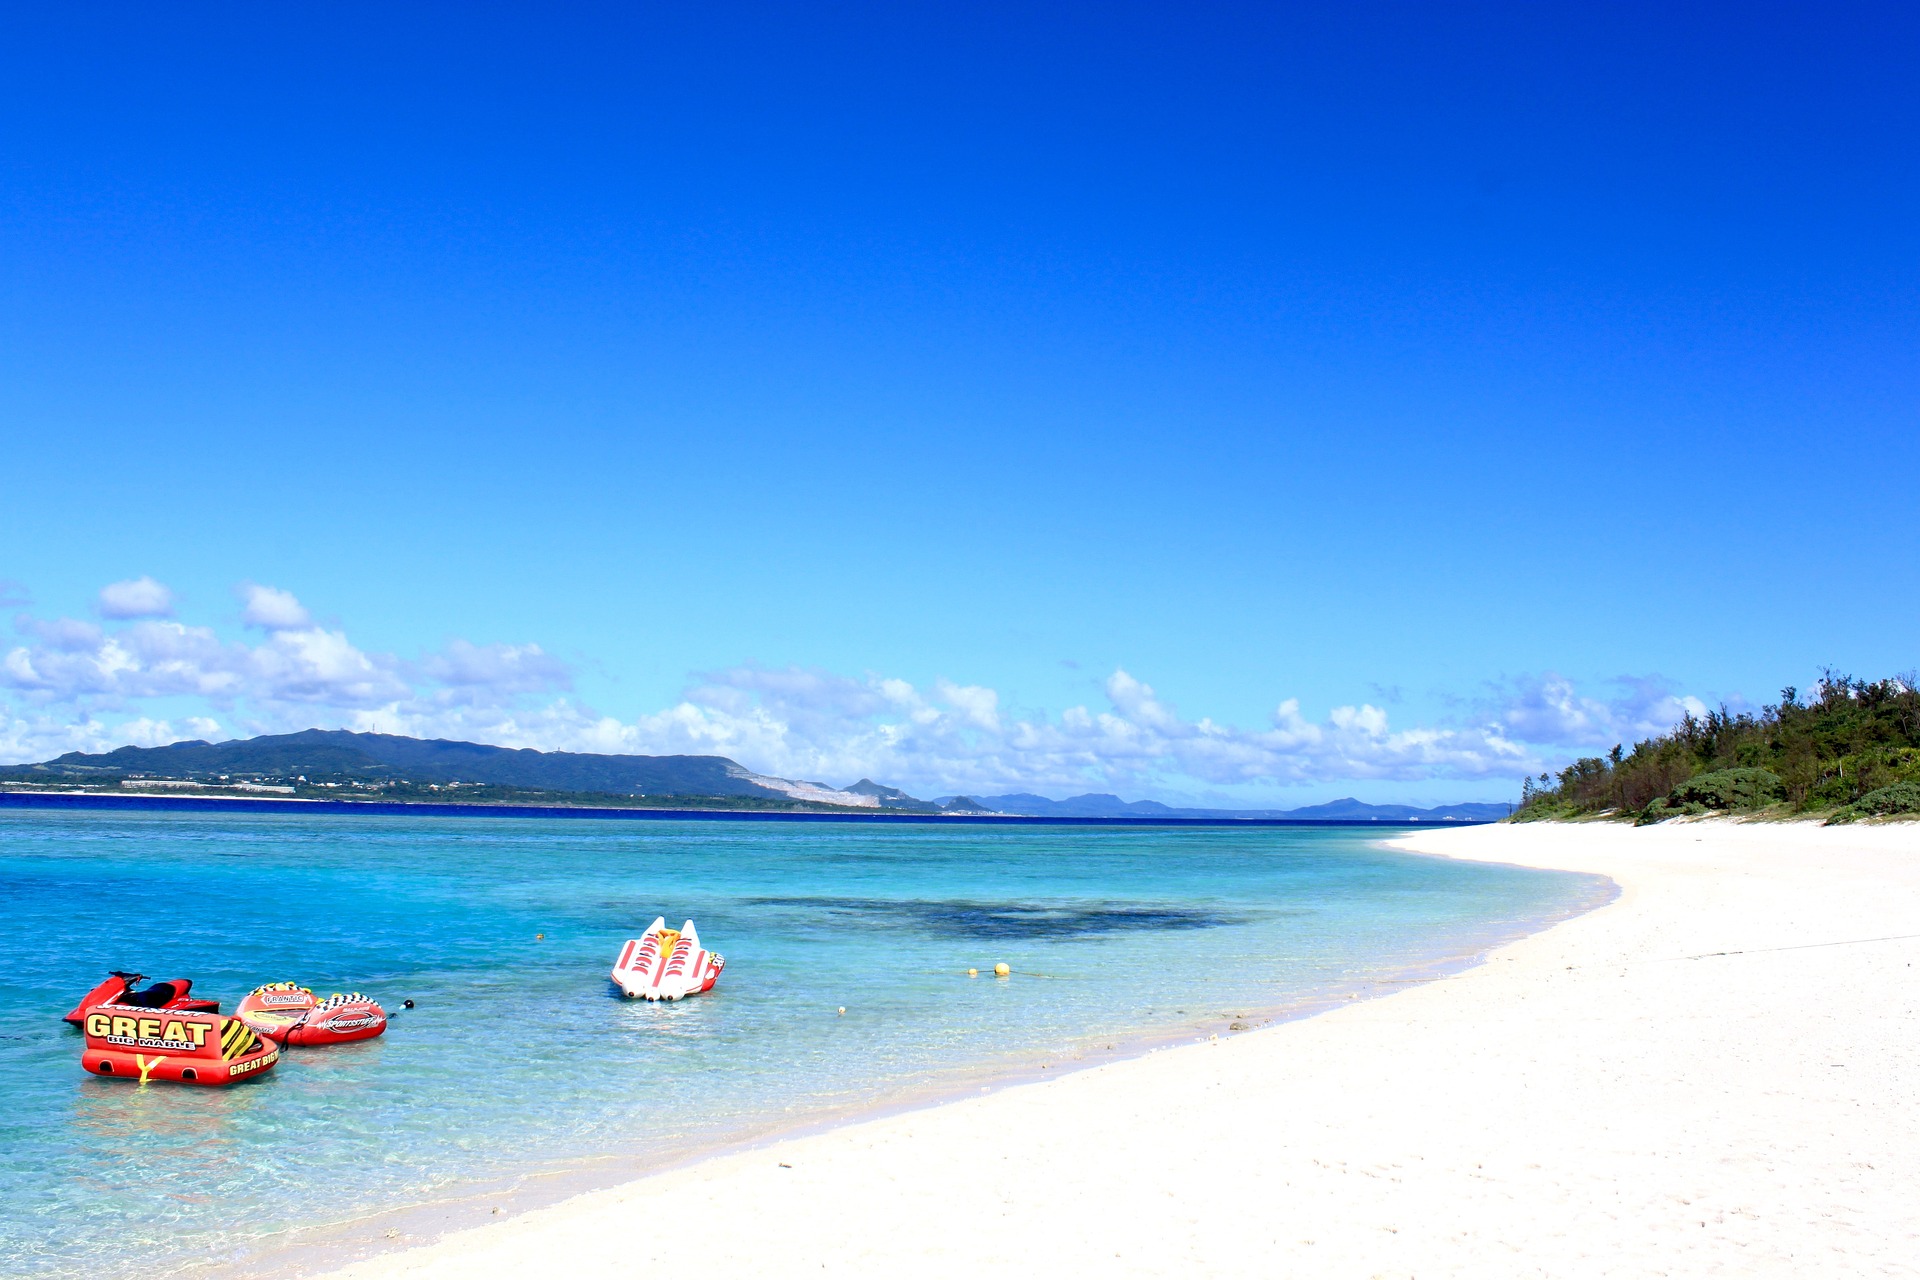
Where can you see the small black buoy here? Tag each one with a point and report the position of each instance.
(406, 1004)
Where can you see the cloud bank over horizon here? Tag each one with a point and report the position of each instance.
(140, 676)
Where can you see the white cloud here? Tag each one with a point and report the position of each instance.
(136, 598)
(272, 608)
(1548, 709)
(71, 684)
(293, 675)
(76, 661)
(490, 670)
(323, 668)
(44, 737)
(803, 723)
(976, 706)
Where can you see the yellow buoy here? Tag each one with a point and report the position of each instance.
(843, 1011)
(1001, 971)
(973, 973)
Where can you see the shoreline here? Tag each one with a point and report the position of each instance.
(426, 1222)
(1712, 1072)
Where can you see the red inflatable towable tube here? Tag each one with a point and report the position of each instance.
(119, 989)
(143, 1044)
(291, 1014)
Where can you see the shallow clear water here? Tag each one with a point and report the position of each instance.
(521, 1057)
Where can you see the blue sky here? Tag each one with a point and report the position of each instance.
(860, 390)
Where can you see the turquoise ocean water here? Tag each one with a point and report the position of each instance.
(520, 1058)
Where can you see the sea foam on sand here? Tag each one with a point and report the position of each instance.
(1717, 1073)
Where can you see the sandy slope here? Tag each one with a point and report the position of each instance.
(1589, 1102)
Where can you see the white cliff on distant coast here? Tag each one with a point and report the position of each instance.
(813, 792)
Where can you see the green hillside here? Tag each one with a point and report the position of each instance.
(391, 763)
(1852, 750)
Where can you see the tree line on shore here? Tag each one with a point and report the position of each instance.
(1850, 750)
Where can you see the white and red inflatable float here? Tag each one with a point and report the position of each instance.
(291, 1014)
(666, 964)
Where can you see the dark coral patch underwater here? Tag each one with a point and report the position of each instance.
(998, 920)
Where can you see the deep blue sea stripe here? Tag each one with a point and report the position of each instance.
(356, 808)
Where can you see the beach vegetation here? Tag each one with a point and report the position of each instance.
(1898, 800)
(1849, 747)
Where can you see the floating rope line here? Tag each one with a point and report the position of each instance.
(1013, 973)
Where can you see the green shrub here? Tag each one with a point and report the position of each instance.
(1719, 790)
(1730, 789)
(1901, 797)
(1545, 812)
(1664, 808)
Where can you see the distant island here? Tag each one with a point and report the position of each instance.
(335, 764)
(1851, 751)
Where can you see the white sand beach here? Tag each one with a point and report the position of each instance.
(1716, 1074)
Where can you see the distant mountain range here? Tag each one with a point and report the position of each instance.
(1094, 805)
(334, 757)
